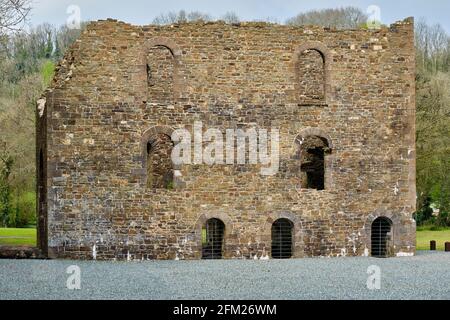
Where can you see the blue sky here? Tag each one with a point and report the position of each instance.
(143, 11)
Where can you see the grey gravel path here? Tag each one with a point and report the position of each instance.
(426, 276)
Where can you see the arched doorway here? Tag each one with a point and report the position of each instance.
(282, 236)
(381, 238)
(213, 239)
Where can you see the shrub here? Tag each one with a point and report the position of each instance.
(424, 215)
(24, 212)
(443, 219)
(47, 71)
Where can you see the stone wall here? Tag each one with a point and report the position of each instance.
(120, 85)
(311, 73)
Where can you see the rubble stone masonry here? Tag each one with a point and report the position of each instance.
(121, 90)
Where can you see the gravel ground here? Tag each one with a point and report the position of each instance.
(426, 276)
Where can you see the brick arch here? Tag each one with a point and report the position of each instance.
(156, 130)
(382, 213)
(153, 131)
(327, 61)
(396, 220)
(313, 45)
(203, 218)
(164, 42)
(309, 132)
(299, 245)
(201, 221)
(329, 155)
(176, 52)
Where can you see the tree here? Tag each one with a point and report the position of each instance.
(432, 47)
(65, 37)
(181, 17)
(433, 117)
(13, 14)
(5, 187)
(26, 67)
(341, 18)
(231, 17)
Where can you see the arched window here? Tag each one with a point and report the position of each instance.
(312, 162)
(282, 236)
(213, 239)
(159, 162)
(381, 238)
(160, 74)
(311, 76)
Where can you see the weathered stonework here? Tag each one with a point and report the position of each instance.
(120, 87)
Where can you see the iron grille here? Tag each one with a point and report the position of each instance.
(282, 239)
(212, 242)
(381, 238)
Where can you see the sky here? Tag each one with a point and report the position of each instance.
(142, 12)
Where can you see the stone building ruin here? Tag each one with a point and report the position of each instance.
(343, 101)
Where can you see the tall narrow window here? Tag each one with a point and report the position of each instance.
(160, 74)
(159, 162)
(312, 157)
(41, 180)
(213, 239)
(311, 76)
(282, 239)
(381, 238)
(42, 233)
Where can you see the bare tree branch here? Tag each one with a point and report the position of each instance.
(13, 14)
(341, 18)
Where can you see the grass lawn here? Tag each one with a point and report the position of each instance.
(17, 237)
(425, 236)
